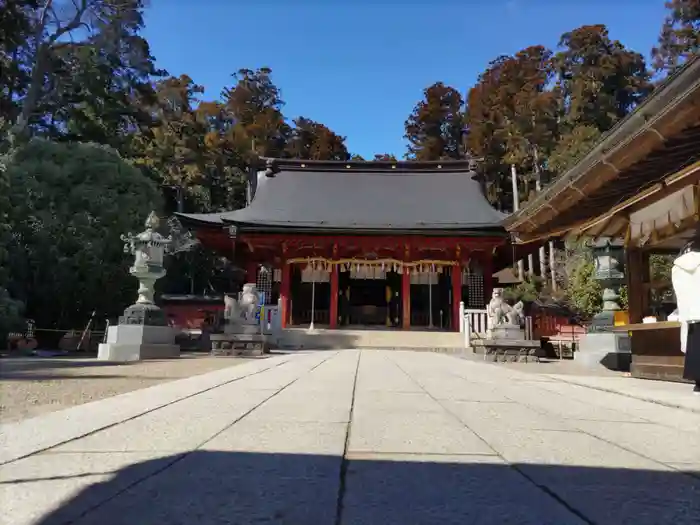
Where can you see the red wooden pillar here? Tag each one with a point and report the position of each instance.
(251, 272)
(334, 297)
(285, 298)
(456, 295)
(406, 298)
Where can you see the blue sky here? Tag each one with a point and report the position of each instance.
(360, 66)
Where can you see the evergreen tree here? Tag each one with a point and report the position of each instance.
(512, 119)
(224, 177)
(680, 35)
(314, 141)
(434, 128)
(16, 31)
(384, 157)
(600, 81)
(254, 105)
(174, 148)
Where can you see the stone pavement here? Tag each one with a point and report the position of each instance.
(358, 438)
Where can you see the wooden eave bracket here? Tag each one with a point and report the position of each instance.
(657, 133)
(578, 190)
(609, 164)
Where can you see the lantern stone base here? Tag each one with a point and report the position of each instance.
(145, 314)
(127, 343)
(604, 349)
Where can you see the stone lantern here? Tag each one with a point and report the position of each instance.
(608, 254)
(148, 249)
(143, 331)
(601, 346)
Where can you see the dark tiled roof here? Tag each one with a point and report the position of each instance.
(368, 196)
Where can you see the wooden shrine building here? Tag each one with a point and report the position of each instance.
(390, 244)
(640, 184)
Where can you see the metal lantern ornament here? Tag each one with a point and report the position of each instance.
(608, 254)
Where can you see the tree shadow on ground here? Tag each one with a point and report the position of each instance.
(212, 487)
(27, 364)
(27, 367)
(83, 377)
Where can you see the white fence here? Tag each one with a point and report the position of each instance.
(472, 323)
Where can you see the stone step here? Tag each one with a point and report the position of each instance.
(384, 339)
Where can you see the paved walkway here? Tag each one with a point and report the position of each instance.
(360, 438)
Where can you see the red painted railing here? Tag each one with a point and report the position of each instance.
(555, 327)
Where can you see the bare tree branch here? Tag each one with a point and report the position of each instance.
(74, 24)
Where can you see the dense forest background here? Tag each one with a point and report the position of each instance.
(95, 135)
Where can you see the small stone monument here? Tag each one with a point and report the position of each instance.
(242, 333)
(143, 331)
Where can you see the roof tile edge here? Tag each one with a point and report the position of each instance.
(368, 166)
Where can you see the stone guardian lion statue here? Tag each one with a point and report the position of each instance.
(501, 313)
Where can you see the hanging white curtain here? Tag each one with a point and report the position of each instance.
(367, 271)
(424, 278)
(671, 210)
(314, 275)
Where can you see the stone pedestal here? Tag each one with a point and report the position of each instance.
(242, 329)
(507, 332)
(508, 342)
(605, 349)
(239, 340)
(127, 343)
(249, 345)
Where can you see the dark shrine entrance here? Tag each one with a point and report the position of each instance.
(365, 298)
(369, 299)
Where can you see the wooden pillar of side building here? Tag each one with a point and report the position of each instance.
(333, 321)
(285, 294)
(406, 298)
(456, 295)
(637, 278)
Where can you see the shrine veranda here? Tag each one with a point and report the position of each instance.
(362, 244)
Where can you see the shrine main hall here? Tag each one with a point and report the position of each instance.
(362, 244)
